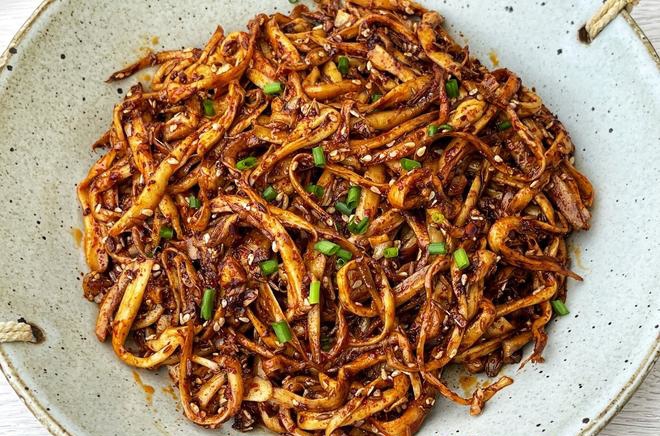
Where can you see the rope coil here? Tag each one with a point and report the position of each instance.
(607, 12)
(16, 331)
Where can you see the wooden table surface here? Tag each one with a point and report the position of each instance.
(640, 417)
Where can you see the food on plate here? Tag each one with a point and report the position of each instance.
(307, 221)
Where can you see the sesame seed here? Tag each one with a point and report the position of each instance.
(223, 303)
(375, 190)
(243, 319)
(420, 151)
(206, 238)
(464, 278)
(156, 267)
(498, 158)
(147, 212)
(118, 210)
(172, 161)
(97, 208)
(366, 158)
(393, 153)
(173, 127)
(294, 166)
(273, 246)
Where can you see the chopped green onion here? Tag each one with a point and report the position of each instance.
(326, 247)
(268, 267)
(208, 301)
(446, 127)
(319, 156)
(343, 208)
(438, 217)
(358, 228)
(314, 292)
(282, 331)
(559, 307)
(390, 252)
(504, 125)
(452, 88)
(341, 262)
(194, 202)
(437, 248)
(342, 65)
(375, 97)
(409, 164)
(247, 163)
(461, 259)
(316, 190)
(431, 130)
(209, 109)
(353, 197)
(325, 343)
(344, 255)
(269, 193)
(166, 232)
(272, 88)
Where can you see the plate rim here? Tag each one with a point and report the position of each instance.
(603, 418)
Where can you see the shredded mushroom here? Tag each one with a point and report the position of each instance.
(307, 221)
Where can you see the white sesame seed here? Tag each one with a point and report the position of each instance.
(273, 246)
(392, 153)
(375, 190)
(223, 303)
(334, 153)
(250, 258)
(173, 127)
(534, 184)
(464, 278)
(215, 126)
(331, 209)
(243, 319)
(294, 166)
(147, 212)
(296, 403)
(156, 267)
(409, 144)
(172, 161)
(498, 158)
(206, 238)
(118, 210)
(366, 158)
(97, 209)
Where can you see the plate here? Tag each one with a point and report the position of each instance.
(55, 103)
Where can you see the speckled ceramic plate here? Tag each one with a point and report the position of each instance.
(54, 103)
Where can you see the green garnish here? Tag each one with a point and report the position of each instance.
(461, 259)
(209, 109)
(247, 163)
(269, 193)
(282, 331)
(319, 156)
(359, 227)
(559, 307)
(166, 232)
(327, 247)
(343, 65)
(208, 302)
(504, 125)
(342, 208)
(391, 252)
(272, 88)
(316, 190)
(314, 292)
(375, 97)
(194, 202)
(268, 267)
(438, 248)
(452, 88)
(353, 197)
(409, 164)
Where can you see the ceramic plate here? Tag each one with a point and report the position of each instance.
(55, 103)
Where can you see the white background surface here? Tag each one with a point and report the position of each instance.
(640, 417)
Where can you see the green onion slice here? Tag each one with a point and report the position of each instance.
(194, 202)
(431, 130)
(410, 164)
(268, 267)
(446, 127)
(438, 248)
(166, 232)
(269, 193)
(282, 331)
(319, 156)
(391, 252)
(247, 163)
(375, 97)
(272, 88)
(504, 125)
(326, 247)
(208, 302)
(452, 88)
(559, 307)
(343, 208)
(358, 228)
(344, 255)
(209, 109)
(316, 190)
(314, 292)
(342, 65)
(461, 259)
(353, 197)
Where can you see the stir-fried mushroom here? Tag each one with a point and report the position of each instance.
(308, 221)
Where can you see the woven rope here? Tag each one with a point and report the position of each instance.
(606, 13)
(15, 331)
